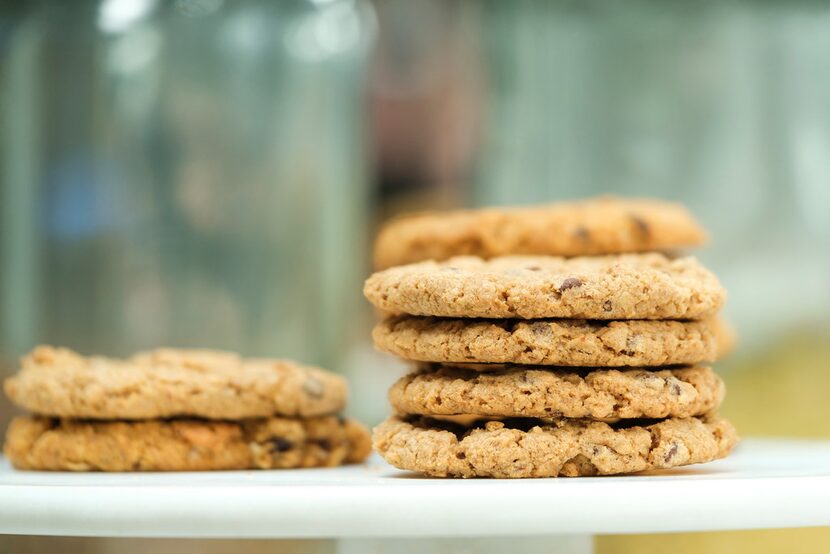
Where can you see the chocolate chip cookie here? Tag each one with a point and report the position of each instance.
(562, 342)
(596, 226)
(169, 383)
(522, 391)
(567, 447)
(41, 443)
(629, 286)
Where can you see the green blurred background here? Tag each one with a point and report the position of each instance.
(211, 173)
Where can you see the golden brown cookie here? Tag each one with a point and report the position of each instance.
(629, 286)
(605, 225)
(522, 391)
(568, 447)
(184, 445)
(168, 383)
(562, 342)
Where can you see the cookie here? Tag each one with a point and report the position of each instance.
(169, 383)
(520, 391)
(562, 342)
(604, 225)
(631, 286)
(568, 447)
(184, 445)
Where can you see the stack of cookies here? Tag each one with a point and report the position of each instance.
(177, 410)
(557, 340)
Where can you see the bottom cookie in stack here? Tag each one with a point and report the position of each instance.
(519, 421)
(178, 410)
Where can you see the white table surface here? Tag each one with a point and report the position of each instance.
(764, 484)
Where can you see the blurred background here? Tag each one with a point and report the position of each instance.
(210, 173)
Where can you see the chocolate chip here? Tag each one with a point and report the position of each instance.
(607, 306)
(461, 456)
(582, 234)
(642, 226)
(313, 387)
(675, 389)
(325, 444)
(655, 440)
(670, 454)
(570, 283)
(533, 268)
(280, 444)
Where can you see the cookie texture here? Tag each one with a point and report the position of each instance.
(561, 342)
(630, 286)
(568, 447)
(523, 392)
(184, 445)
(170, 383)
(604, 225)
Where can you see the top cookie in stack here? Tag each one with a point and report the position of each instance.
(553, 362)
(605, 225)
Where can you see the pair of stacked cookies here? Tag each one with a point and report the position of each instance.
(557, 340)
(177, 410)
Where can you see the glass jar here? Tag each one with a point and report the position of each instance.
(186, 173)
